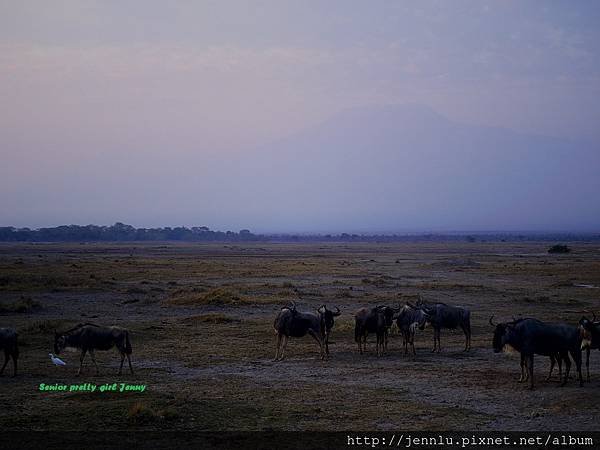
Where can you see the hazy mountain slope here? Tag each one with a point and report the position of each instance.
(407, 167)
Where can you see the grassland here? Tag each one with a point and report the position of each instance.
(201, 322)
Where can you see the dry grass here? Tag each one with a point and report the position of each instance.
(22, 305)
(216, 296)
(201, 322)
(214, 318)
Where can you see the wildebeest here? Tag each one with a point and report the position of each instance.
(441, 316)
(590, 333)
(408, 319)
(89, 337)
(376, 320)
(533, 337)
(8, 343)
(292, 323)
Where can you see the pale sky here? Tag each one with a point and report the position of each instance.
(135, 111)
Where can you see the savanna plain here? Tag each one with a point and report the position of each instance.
(201, 324)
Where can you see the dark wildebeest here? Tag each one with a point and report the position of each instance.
(441, 316)
(8, 343)
(292, 323)
(533, 337)
(590, 333)
(376, 320)
(89, 337)
(408, 320)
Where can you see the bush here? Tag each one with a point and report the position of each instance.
(558, 248)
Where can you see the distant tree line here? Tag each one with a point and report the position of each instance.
(120, 232)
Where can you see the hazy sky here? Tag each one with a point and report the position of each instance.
(134, 111)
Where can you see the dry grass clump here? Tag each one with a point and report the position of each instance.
(141, 413)
(216, 296)
(214, 318)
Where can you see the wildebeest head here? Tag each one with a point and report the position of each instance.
(502, 334)
(586, 327)
(60, 342)
(327, 316)
(422, 317)
(388, 314)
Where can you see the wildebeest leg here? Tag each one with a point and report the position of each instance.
(283, 347)
(577, 358)
(385, 342)
(122, 360)
(94, 361)
(81, 358)
(467, 330)
(319, 341)
(6, 356)
(327, 343)
(530, 370)
(587, 362)
(14, 358)
(567, 368)
(277, 345)
(559, 359)
(522, 364)
(552, 362)
(438, 333)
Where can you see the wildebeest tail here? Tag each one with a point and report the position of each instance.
(128, 348)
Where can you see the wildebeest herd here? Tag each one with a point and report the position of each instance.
(527, 336)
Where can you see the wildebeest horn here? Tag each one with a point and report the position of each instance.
(492, 323)
(593, 318)
(337, 311)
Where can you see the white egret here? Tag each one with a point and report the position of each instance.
(56, 360)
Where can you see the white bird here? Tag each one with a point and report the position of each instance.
(57, 361)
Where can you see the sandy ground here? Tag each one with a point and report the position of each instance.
(201, 315)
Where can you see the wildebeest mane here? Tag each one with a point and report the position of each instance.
(77, 327)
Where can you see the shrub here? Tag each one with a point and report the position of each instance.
(558, 248)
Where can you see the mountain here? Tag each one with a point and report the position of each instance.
(406, 167)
